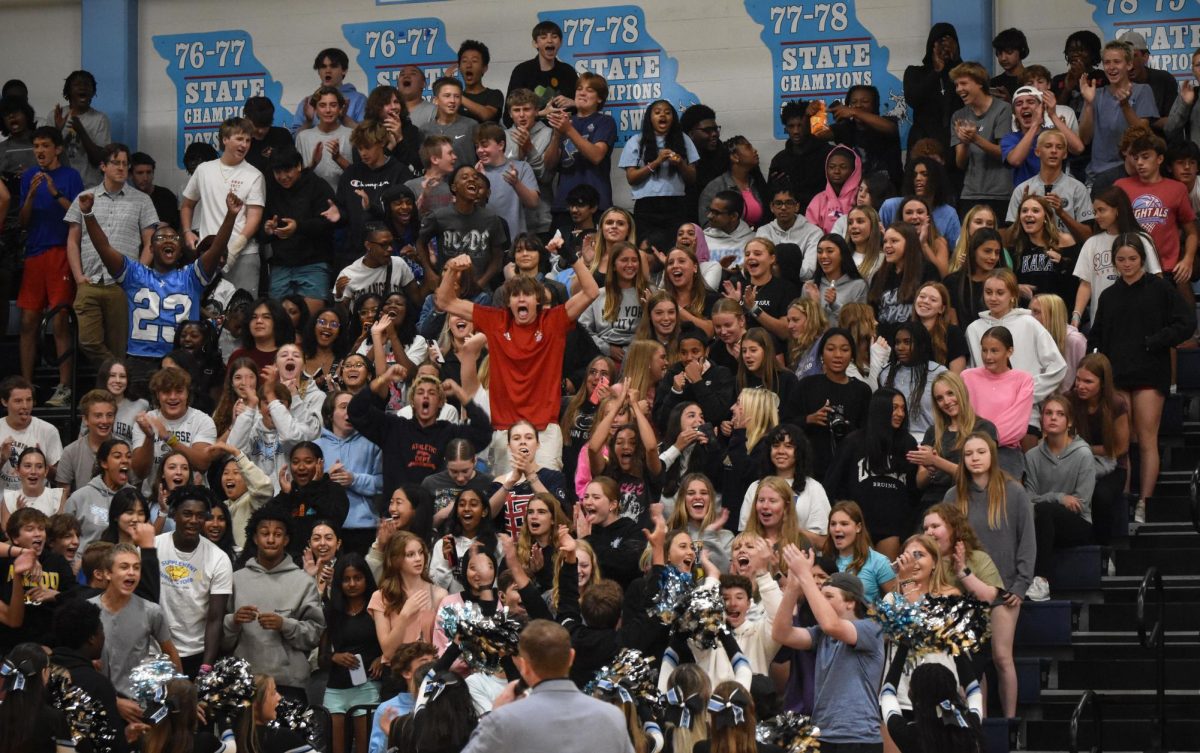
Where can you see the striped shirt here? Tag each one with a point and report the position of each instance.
(123, 215)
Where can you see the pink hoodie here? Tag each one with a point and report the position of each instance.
(827, 206)
(1005, 399)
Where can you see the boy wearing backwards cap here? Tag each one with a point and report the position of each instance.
(1033, 111)
(849, 652)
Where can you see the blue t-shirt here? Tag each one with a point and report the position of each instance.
(1110, 124)
(1027, 169)
(403, 704)
(158, 303)
(665, 181)
(847, 685)
(875, 572)
(46, 227)
(574, 169)
(945, 219)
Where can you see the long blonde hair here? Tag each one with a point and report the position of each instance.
(581, 394)
(941, 579)
(636, 366)
(873, 247)
(696, 295)
(580, 546)
(688, 680)
(859, 318)
(1054, 311)
(997, 495)
(603, 252)
(789, 529)
(966, 412)
(391, 585)
(815, 324)
(760, 408)
(958, 256)
(679, 517)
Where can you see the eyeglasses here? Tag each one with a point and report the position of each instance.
(335, 324)
(785, 203)
(165, 237)
(712, 129)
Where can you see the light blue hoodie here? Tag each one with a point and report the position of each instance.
(363, 458)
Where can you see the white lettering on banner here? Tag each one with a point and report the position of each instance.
(385, 48)
(1171, 29)
(820, 50)
(214, 74)
(613, 41)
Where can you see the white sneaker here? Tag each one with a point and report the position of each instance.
(61, 397)
(1139, 512)
(1039, 590)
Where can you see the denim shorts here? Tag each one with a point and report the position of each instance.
(310, 281)
(341, 700)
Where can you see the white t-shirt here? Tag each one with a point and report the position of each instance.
(192, 427)
(211, 183)
(326, 169)
(812, 507)
(126, 420)
(48, 502)
(1095, 264)
(188, 578)
(364, 279)
(40, 434)
(416, 351)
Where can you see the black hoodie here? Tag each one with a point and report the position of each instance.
(319, 499)
(930, 93)
(312, 243)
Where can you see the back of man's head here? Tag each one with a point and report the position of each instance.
(546, 648)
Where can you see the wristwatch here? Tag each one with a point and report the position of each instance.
(966, 571)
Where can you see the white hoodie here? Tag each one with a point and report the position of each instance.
(1034, 352)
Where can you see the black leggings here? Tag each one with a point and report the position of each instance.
(1056, 527)
(1105, 502)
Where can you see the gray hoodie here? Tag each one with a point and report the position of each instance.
(289, 592)
(89, 504)
(1012, 546)
(1050, 477)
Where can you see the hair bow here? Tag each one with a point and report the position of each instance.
(609, 688)
(682, 711)
(12, 678)
(727, 713)
(950, 715)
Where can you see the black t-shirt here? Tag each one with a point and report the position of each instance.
(637, 494)
(353, 634)
(879, 152)
(891, 310)
(967, 307)
(561, 79)
(1036, 268)
(49, 726)
(773, 298)
(885, 494)
(848, 400)
(487, 98)
(476, 234)
(956, 344)
(56, 575)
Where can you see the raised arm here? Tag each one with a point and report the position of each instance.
(113, 261)
(588, 291)
(446, 297)
(210, 260)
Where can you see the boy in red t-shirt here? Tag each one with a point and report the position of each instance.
(526, 340)
(1164, 210)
